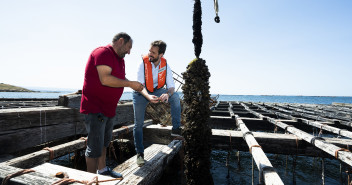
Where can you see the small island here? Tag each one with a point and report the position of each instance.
(12, 88)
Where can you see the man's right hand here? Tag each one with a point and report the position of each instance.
(153, 98)
(137, 86)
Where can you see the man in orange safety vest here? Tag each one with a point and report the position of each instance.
(154, 73)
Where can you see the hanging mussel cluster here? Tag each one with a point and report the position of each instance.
(196, 132)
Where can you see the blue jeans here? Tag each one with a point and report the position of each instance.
(139, 105)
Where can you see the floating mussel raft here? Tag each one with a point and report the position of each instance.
(34, 136)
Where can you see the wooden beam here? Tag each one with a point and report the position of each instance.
(12, 119)
(267, 173)
(157, 158)
(287, 144)
(316, 124)
(339, 153)
(24, 128)
(39, 157)
(50, 170)
(28, 178)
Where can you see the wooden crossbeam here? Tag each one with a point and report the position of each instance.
(157, 157)
(39, 157)
(337, 152)
(266, 170)
(316, 124)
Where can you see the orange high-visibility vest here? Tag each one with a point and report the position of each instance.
(148, 73)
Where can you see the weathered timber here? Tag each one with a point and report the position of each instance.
(20, 139)
(25, 179)
(313, 113)
(39, 157)
(12, 119)
(12, 103)
(298, 112)
(344, 156)
(50, 170)
(343, 106)
(286, 144)
(321, 125)
(70, 100)
(124, 109)
(266, 171)
(24, 128)
(329, 114)
(157, 157)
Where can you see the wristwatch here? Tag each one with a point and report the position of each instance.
(169, 94)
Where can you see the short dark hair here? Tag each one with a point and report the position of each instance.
(161, 44)
(125, 36)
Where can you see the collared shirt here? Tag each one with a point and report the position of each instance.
(97, 98)
(155, 69)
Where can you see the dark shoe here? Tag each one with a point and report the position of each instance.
(140, 160)
(176, 132)
(111, 173)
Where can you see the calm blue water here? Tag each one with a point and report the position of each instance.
(247, 98)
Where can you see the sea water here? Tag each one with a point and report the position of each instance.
(220, 97)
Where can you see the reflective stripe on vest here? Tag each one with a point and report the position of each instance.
(148, 74)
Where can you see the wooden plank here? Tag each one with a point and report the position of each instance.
(157, 158)
(344, 156)
(51, 169)
(12, 119)
(26, 179)
(40, 125)
(299, 112)
(316, 124)
(267, 174)
(20, 139)
(286, 144)
(332, 113)
(39, 157)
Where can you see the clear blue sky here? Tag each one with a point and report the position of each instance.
(261, 47)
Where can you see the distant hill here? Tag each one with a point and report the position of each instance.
(12, 88)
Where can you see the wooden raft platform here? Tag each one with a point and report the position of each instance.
(157, 157)
(261, 128)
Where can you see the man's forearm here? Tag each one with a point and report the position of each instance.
(144, 93)
(113, 81)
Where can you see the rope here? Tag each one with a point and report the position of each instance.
(297, 144)
(337, 152)
(127, 128)
(86, 182)
(339, 134)
(51, 153)
(321, 129)
(248, 132)
(8, 177)
(287, 127)
(112, 149)
(85, 139)
(250, 148)
(312, 141)
(268, 168)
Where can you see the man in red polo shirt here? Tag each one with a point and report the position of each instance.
(104, 81)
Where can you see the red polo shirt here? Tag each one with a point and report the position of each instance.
(97, 98)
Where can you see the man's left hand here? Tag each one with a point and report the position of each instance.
(164, 97)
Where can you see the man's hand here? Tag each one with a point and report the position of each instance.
(136, 86)
(164, 97)
(153, 98)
